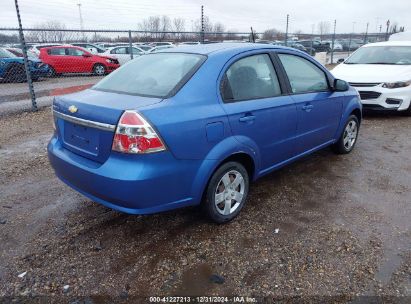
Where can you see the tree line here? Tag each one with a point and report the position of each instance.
(161, 28)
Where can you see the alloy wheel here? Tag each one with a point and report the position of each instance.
(350, 135)
(229, 192)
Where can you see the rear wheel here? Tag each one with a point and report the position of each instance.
(348, 138)
(226, 192)
(99, 69)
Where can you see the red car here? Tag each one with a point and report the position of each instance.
(72, 59)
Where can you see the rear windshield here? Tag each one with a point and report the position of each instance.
(154, 75)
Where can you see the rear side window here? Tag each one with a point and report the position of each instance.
(57, 51)
(304, 76)
(154, 75)
(252, 77)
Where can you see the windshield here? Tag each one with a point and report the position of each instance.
(6, 54)
(154, 75)
(397, 55)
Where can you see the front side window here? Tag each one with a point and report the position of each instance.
(75, 52)
(154, 75)
(252, 77)
(304, 76)
(57, 51)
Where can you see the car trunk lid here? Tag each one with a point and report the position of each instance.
(86, 121)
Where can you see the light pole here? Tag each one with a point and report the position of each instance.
(286, 30)
(366, 33)
(81, 20)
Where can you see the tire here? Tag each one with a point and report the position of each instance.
(231, 197)
(52, 72)
(99, 69)
(16, 73)
(349, 136)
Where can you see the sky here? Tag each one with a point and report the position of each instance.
(239, 15)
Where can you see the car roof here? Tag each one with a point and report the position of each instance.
(122, 46)
(389, 43)
(63, 46)
(206, 49)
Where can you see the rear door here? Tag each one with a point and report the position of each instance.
(259, 111)
(57, 59)
(319, 108)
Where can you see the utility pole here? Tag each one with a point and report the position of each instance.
(202, 24)
(377, 22)
(332, 43)
(26, 60)
(366, 33)
(81, 20)
(286, 30)
(252, 35)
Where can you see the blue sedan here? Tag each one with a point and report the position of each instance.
(196, 124)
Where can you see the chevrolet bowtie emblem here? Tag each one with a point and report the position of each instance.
(72, 109)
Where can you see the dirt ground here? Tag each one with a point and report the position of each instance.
(344, 229)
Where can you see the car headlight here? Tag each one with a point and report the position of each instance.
(396, 85)
(109, 61)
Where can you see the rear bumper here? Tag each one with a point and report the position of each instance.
(135, 184)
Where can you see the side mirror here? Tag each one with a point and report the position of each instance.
(341, 85)
(341, 60)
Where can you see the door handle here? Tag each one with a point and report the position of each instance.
(247, 118)
(307, 107)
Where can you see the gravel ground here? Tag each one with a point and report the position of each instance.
(343, 223)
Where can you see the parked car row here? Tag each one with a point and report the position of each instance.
(56, 59)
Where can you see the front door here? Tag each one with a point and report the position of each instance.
(259, 114)
(319, 108)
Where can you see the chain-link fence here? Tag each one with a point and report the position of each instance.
(61, 61)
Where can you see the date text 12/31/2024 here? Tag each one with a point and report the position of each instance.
(203, 299)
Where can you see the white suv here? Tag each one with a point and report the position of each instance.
(381, 72)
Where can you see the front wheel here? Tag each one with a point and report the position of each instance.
(226, 192)
(99, 69)
(348, 138)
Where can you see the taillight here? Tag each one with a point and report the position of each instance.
(135, 135)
